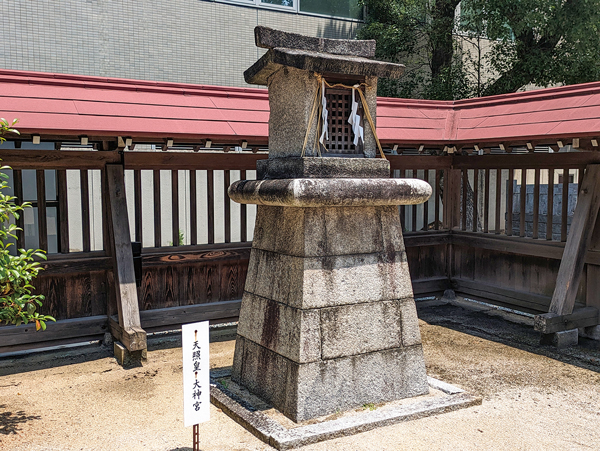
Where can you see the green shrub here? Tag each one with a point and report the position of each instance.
(17, 304)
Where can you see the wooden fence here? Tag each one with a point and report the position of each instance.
(494, 229)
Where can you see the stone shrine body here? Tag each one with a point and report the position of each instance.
(328, 320)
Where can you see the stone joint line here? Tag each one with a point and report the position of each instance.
(401, 300)
(325, 359)
(402, 253)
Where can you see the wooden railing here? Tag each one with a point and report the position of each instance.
(493, 229)
(204, 277)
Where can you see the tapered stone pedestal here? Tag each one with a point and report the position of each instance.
(328, 320)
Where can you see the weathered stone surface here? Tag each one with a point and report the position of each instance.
(255, 421)
(282, 437)
(367, 420)
(328, 320)
(265, 373)
(291, 96)
(562, 339)
(445, 387)
(391, 229)
(370, 148)
(322, 168)
(309, 335)
(345, 192)
(353, 381)
(592, 332)
(347, 231)
(238, 358)
(285, 277)
(313, 232)
(409, 323)
(322, 63)
(291, 332)
(269, 38)
(303, 391)
(351, 279)
(280, 230)
(316, 282)
(356, 329)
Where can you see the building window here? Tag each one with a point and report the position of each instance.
(337, 8)
(349, 9)
(289, 3)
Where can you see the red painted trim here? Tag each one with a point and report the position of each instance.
(78, 104)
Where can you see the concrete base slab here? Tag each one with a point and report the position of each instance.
(275, 429)
(592, 332)
(563, 339)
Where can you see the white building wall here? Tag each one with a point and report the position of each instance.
(188, 41)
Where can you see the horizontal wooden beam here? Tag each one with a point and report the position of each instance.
(76, 263)
(549, 323)
(209, 256)
(191, 160)
(57, 159)
(133, 338)
(176, 316)
(526, 160)
(419, 161)
(517, 299)
(432, 238)
(217, 141)
(509, 244)
(431, 285)
(81, 328)
(518, 245)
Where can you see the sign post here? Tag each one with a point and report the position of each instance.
(196, 371)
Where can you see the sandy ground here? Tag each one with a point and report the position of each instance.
(534, 397)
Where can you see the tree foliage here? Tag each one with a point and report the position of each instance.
(17, 303)
(491, 47)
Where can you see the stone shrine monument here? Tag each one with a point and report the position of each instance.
(328, 320)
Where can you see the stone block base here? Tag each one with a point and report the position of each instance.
(269, 427)
(309, 390)
(592, 332)
(562, 339)
(328, 320)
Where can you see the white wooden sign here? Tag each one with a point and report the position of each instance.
(196, 382)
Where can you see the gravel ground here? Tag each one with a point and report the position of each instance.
(534, 397)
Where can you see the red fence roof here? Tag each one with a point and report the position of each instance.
(57, 104)
(79, 105)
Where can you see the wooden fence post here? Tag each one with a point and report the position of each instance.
(561, 316)
(578, 241)
(592, 296)
(128, 330)
(452, 190)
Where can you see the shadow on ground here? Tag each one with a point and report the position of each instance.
(52, 359)
(493, 325)
(61, 357)
(10, 421)
(466, 317)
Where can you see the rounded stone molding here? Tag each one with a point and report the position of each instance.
(349, 192)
